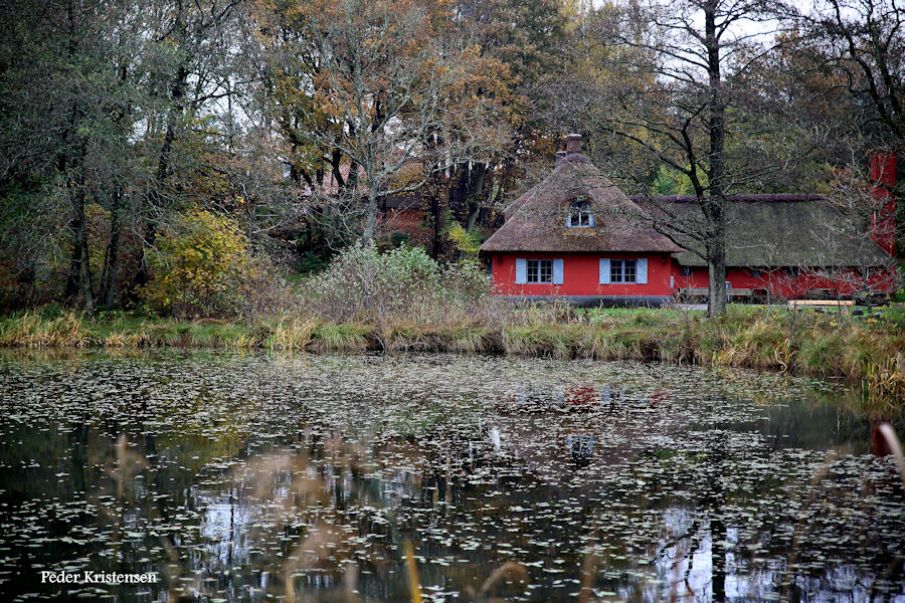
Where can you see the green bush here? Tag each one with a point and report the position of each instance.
(201, 268)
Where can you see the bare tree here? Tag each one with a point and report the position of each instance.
(693, 49)
(856, 228)
(865, 40)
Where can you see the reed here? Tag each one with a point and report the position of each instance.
(32, 330)
(290, 334)
(560, 341)
(895, 446)
(411, 570)
(886, 379)
(347, 338)
(866, 349)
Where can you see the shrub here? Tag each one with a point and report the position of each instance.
(363, 285)
(202, 268)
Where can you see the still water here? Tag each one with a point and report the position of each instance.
(261, 477)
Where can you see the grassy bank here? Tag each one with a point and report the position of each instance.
(803, 342)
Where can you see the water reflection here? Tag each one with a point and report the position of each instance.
(243, 478)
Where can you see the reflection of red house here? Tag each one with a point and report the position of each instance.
(576, 235)
(581, 396)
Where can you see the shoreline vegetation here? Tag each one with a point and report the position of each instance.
(403, 300)
(803, 342)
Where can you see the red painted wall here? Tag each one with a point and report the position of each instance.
(782, 285)
(581, 275)
(883, 223)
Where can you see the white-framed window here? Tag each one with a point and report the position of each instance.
(538, 271)
(623, 271)
(580, 215)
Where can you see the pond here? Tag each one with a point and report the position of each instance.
(256, 477)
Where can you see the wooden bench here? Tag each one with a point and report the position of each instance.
(820, 303)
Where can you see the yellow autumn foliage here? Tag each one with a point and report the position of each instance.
(201, 268)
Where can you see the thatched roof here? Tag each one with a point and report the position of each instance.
(764, 231)
(773, 231)
(536, 221)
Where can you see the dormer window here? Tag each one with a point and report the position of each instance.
(580, 215)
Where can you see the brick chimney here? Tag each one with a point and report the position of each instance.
(573, 144)
(883, 222)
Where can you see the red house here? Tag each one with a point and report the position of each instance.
(576, 235)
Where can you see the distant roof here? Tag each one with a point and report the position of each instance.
(411, 200)
(774, 230)
(536, 221)
(747, 198)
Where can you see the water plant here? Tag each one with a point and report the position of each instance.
(512, 478)
(469, 321)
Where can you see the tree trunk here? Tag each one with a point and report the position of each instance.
(716, 502)
(900, 226)
(715, 201)
(899, 210)
(370, 233)
(78, 284)
(111, 255)
(436, 214)
(716, 284)
(476, 198)
(155, 194)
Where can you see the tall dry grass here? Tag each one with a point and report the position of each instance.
(32, 330)
(406, 301)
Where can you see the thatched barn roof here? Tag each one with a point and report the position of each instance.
(536, 221)
(773, 231)
(763, 231)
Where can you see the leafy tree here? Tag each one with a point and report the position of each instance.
(376, 87)
(200, 268)
(527, 38)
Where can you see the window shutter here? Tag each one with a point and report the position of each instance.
(641, 271)
(591, 221)
(521, 271)
(557, 272)
(605, 272)
(569, 219)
